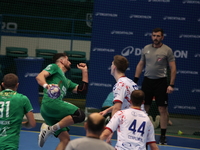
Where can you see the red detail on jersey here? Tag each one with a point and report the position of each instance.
(151, 142)
(117, 101)
(109, 129)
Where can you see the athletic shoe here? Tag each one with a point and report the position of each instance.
(45, 132)
(163, 140)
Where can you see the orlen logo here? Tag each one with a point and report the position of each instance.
(195, 91)
(197, 55)
(189, 36)
(100, 84)
(185, 107)
(122, 32)
(180, 54)
(165, 1)
(191, 2)
(140, 16)
(129, 50)
(174, 18)
(106, 14)
(149, 34)
(103, 50)
(187, 72)
(30, 74)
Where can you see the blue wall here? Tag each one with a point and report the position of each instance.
(124, 27)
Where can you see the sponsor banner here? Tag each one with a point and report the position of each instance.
(27, 70)
(124, 28)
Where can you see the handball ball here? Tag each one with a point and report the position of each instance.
(53, 92)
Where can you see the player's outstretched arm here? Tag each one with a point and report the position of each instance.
(106, 111)
(82, 88)
(83, 67)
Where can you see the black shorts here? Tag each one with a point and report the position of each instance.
(155, 88)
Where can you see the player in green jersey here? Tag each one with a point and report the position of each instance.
(57, 113)
(13, 107)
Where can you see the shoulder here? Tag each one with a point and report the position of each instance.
(22, 96)
(50, 66)
(166, 47)
(148, 46)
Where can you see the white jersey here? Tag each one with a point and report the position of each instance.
(122, 91)
(134, 129)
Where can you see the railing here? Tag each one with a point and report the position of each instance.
(45, 26)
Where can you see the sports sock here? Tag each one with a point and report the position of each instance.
(55, 127)
(163, 132)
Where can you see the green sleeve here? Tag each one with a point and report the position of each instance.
(27, 105)
(71, 85)
(51, 68)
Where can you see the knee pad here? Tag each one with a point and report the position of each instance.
(78, 116)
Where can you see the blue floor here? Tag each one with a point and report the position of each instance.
(28, 141)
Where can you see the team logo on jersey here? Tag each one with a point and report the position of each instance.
(134, 114)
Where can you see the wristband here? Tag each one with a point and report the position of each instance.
(171, 85)
(45, 86)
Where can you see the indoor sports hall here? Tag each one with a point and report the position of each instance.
(92, 32)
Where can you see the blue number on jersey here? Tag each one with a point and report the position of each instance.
(140, 129)
(135, 87)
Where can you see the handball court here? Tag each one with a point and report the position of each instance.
(29, 138)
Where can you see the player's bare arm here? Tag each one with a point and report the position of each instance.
(153, 146)
(116, 107)
(41, 78)
(172, 65)
(106, 111)
(139, 68)
(82, 87)
(105, 134)
(30, 123)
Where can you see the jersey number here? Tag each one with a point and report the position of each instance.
(7, 104)
(140, 129)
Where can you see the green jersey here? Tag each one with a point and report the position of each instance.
(57, 76)
(54, 110)
(13, 107)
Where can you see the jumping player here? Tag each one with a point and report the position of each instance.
(57, 113)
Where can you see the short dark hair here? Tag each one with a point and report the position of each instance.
(121, 63)
(95, 127)
(57, 56)
(137, 97)
(158, 30)
(10, 80)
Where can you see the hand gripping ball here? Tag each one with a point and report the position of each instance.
(53, 91)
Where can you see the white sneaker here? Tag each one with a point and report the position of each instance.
(45, 132)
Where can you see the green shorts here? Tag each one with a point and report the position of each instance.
(55, 110)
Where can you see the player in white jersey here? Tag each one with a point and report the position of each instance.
(122, 89)
(134, 128)
(124, 86)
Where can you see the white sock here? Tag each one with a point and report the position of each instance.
(55, 127)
